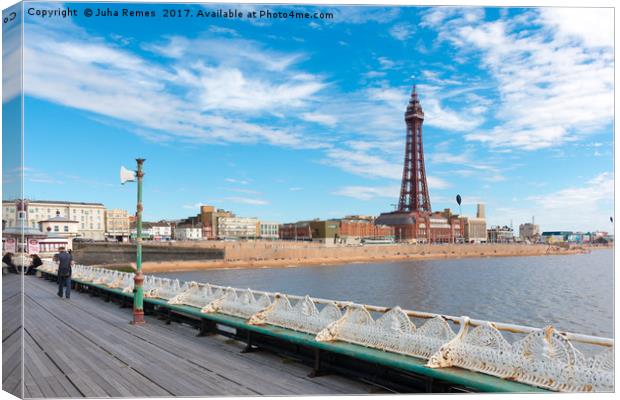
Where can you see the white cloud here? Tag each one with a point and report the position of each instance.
(231, 52)
(195, 206)
(386, 63)
(221, 29)
(391, 191)
(369, 193)
(575, 200)
(230, 89)
(245, 191)
(402, 31)
(76, 70)
(362, 163)
(469, 164)
(239, 181)
(436, 183)
(323, 119)
(443, 117)
(373, 74)
(582, 208)
(593, 26)
(553, 89)
(449, 17)
(247, 200)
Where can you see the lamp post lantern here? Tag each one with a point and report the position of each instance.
(138, 294)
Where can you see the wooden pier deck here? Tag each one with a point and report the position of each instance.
(85, 347)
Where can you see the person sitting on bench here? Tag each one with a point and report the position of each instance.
(8, 260)
(36, 262)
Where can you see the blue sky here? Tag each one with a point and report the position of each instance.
(296, 119)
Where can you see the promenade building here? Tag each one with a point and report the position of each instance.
(90, 216)
(153, 230)
(529, 232)
(327, 232)
(500, 234)
(475, 230)
(147, 230)
(355, 228)
(322, 231)
(207, 218)
(117, 224)
(555, 237)
(21, 237)
(161, 231)
(446, 227)
(295, 231)
(60, 226)
(182, 232)
(238, 228)
(269, 230)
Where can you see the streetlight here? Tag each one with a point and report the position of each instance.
(130, 176)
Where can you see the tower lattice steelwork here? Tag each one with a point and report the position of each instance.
(413, 189)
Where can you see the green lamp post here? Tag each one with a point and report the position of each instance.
(138, 293)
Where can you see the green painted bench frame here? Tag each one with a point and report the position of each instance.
(456, 376)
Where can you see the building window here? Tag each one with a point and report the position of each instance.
(55, 228)
(66, 228)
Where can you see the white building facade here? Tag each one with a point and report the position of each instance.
(269, 230)
(161, 231)
(188, 233)
(89, 216)
(153, 230)
(237, 227)
(60, 226)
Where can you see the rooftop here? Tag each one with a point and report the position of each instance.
(59, 218)
(54, 202)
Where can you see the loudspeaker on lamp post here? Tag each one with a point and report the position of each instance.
(127, 175)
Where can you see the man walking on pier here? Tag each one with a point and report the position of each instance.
(64, 272)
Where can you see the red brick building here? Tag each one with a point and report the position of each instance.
(364, 228)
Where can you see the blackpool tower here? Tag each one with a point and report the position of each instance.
(411, 220)
(413, 188)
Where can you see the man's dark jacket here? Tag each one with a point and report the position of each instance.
(64, 264)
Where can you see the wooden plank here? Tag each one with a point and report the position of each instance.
(31, 386)
(94, 349)
(86, 361)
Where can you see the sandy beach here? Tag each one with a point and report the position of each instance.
(349, 256)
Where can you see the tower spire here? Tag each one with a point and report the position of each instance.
(414, 189)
